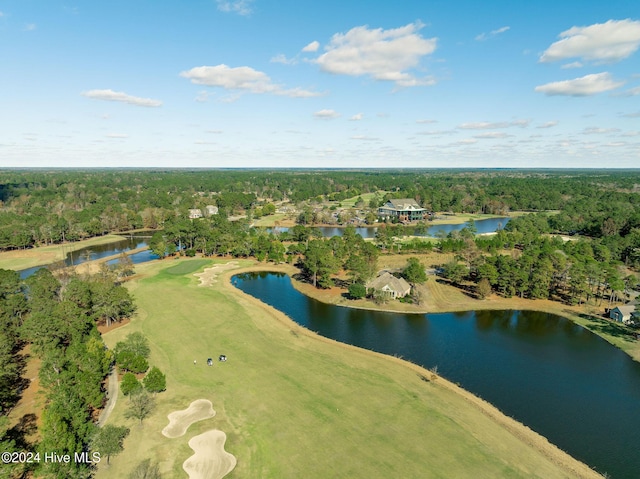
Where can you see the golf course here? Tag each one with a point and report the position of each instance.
(290, 404)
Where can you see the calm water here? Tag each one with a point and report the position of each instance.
(91, 253)
(554, 376)
(483, 226)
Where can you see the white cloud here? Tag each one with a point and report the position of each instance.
(493, 33)
(437, 132)
(281, 58)
(110, 95)
(492, 135)
(635, 114)
(599, 131)
(326, 114)
(549, 124)
(631, 92)
(29, 27)
(384, 55)
(572, 65)
(607, 42)
(483, 125)
(241, 7)
(631, 133)
(583, 86)
(356, 117)
(312, 47)
(523, 123)
(117, 135)
(241, 79)
(426, 122)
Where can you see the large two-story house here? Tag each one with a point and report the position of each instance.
(404, 209)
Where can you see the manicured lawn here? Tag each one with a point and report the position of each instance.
(294, 405)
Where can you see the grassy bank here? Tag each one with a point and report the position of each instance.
(296, 405)
(43, 255)
(441, 297)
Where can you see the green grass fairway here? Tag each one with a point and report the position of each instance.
(187, 266)
(297, 406)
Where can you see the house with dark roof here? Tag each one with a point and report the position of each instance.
(389, 285)
(403, 209)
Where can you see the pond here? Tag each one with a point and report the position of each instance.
(549, 373)
(90, 253)
(489, 225)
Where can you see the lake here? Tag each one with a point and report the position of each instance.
(556, 377)
(91, 253)
(488, 225)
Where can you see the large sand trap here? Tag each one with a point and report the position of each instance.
(210, 460)
(209, 275)
(179, 421)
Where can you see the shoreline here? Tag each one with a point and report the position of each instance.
(520, 431)
(576, 314)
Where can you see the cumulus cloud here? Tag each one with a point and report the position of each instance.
(326, 114)
(384, 55)
(241, 7)
(110, 95)
(356, 117)
(312, 47)
(607, 42)
(493, 33)
(583, 86)
(241, 79)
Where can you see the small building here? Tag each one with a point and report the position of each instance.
(195, 213)
(622, 314)
(389, 285)
(403, 209)
(211, 210)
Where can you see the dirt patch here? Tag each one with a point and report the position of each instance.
(179, 421)
(209, 275)
(210, 460)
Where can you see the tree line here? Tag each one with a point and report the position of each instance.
(40, 207)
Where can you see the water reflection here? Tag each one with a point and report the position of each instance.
(547, 372)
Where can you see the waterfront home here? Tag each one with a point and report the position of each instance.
(622, 314)
(403, 209)
(389, 285)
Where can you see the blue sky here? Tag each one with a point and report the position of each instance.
(263, 83)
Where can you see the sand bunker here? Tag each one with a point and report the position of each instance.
(210, 460)
(179, 421)
(209, 275)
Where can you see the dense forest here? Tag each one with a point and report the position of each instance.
(39, 207)
(56, 318)
(579, 242)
